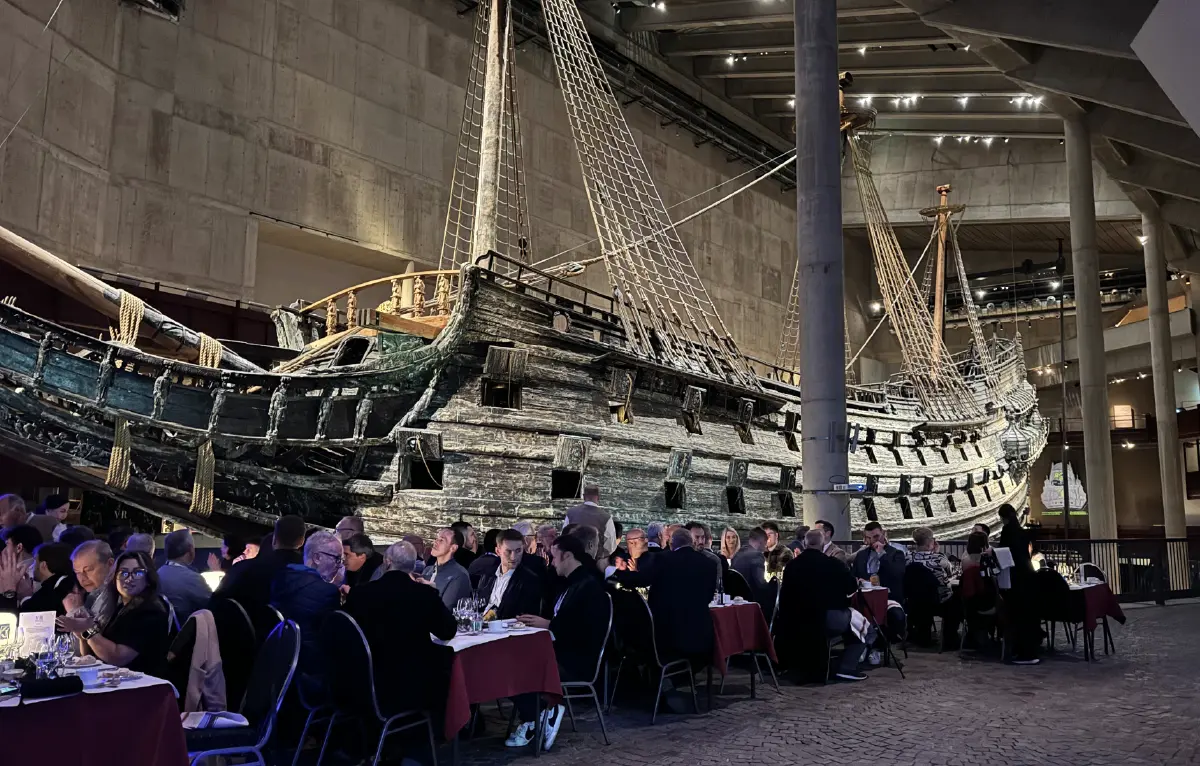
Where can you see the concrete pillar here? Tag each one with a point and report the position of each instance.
(1162, 371)
(819, 249)
(1089, 334)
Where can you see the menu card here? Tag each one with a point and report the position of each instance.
(38, 627)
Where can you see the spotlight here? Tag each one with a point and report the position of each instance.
(980, 293)
(791, 103)
(729, 60)
(1142, 239)
(876, 306)
(862, 51)
(963, 101)
(1054, 285)
(938, 140)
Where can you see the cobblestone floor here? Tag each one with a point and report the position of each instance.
(1141, 706)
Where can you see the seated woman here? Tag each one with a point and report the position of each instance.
(138, 634)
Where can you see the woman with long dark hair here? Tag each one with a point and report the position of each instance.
(138, 635)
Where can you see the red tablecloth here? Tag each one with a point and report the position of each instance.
(739, 628)
(872, 603)
(1099, 602)
(118, 728)
(516, 664)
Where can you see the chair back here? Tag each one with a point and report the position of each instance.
(1054, 597)
(634, 626)
(920, 589)
(264, 617)
(604, 646)
(351, 668)
(776, 586)
(274, 667)
(1088, 569)
(235, 637)
(736, 585)
(173, 625)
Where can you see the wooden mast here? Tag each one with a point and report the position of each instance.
(165, 333)
(483, 233)
(939, 274)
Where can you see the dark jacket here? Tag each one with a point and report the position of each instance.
(1017, 542)
(682, 584)
(579, 625)
(486, 562)
(752, 565)
(523, 595)
(465, 557)
(891, 570)
(299, 593)
(49, 597)
(813, 584)
(249, 582)
(364, 572)
(397, 616)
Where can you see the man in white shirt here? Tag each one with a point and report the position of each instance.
(511, 589)
(589, 513)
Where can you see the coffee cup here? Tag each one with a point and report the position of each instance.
(90, 676)
(495, 626)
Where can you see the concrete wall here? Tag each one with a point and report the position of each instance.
(148, 145)
(1024, 179)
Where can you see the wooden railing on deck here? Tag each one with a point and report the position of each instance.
(441, 287)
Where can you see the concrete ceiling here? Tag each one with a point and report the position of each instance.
(1005, 68)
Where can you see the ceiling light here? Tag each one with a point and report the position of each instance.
(1142, 238)
(962, 101)
(659, 6)
(980, 293)
(729, 60)
(791, 103)
(1054, 285)
(864, 100)
(895, 102)
(862, 51)
(966, 47)
(938, 140)
(1141, 376)
(1128, 445)
(1006, 140)
(988, 141)
(876, 306)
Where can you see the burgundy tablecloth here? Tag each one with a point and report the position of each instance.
(1098, 603)
(118, 728)
(872, 603)
(516, 664)
(739, 628)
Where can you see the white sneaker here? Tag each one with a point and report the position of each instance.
(875, 658)
(550, 724)
(1034, 661)
(522, 736)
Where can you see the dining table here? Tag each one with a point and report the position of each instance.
(739, 627)
(872, 602)
(141, 715)
(493, 665)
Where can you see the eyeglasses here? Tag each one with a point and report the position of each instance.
(339, 559)
(126, 575)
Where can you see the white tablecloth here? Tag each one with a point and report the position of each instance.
(464, 641)
(130, 683)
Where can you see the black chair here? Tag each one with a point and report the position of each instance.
(589, 687)
(1055, 606)
(1089, 570)
(351, 678)
(922, 601)
(636, 626)
(273, 670)
(236, 638)
(736, 586)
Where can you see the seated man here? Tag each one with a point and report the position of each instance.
(751, 563)
(702, 541)
(885, 561)
(140, 542)
(487, 560)
(446, 574)
(928, 555)
(829, 549)
(361, 559)
(578, 626)
(398, 613)
(308, 593)
(54, 578)
(249, 581)
(682, 584)
(183, 586)
(511, 589)
(814, 605)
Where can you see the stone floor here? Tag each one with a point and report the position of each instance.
(1140, 706)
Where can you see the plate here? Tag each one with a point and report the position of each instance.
(81, 662)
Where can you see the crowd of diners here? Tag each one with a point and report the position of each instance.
(108, 593)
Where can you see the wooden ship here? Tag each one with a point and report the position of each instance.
(493, 388)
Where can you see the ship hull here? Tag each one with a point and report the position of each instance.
(524, 396)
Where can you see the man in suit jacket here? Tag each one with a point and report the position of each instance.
(827, 547)
(249, 582)
(682, 584)
(397, 613)
(579, 626)
(589, 513)
(815, 604)
(879, 557)
(750, 563)
(511, 589)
